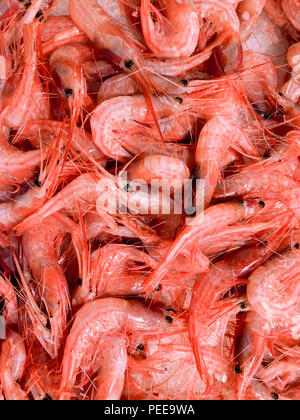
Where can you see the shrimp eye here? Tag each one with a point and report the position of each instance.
(281, 94)
(141, 347)
(39, 14)
(267, 116)
(127, 187)
(68, 92)
(48, 325)
(158, 289)
(190, 211)
(169, 319)
(28, 4)
(275, 396)
(79, 281)
(184, 82)
(129, 64)
(238, 369)
(267, 156)
(262, 204)
(264, 243)
(297, 246)
(172, 310)
(243, 305)
(179, 100)
(37, 183)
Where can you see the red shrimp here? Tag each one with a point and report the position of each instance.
(249, 12)
(209, 222)
(67, 68)
(96, 322)
(12, 364)
(174, 34)
(10, 302)
(215, 139)
(292, 11)
(110, 119)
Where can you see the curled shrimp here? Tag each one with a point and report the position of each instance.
(16, 108)
(97, 322)
(10, 302)
(215, 139)
(214, 218)
(42, 259)
(225, 21)
(12, 364)
(174, 34)
(273, 288)
(110, 119)
(66, 66)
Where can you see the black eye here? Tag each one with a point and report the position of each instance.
(297, 246)
(265, 243)
(37, 183)
(169, 319)
(262, 204)
(281, 94)
(267, 116)
(39, 14)
(79, 281)
(141, 347)
(28, 4)
(127, 187)
(238, 369)
(243, 305)
(129, 64)
(275, 396)
(158, 289)
(178, 99)
(48, 325)
(267, 155)
(184, 82)
(68, 92)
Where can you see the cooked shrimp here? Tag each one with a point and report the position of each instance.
(273, 288)
(174, 34)
(225, 21)
(16, 107)
(215, 139)
(107, 34)
(110, 119)
(212, 220)
(10, 302)
(96, 322)
(39, 249)
(66, 66)
(12, 364)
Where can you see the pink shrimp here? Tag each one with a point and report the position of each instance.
(225, 21)
(174, 35)
(16, 108)
(106, 321)
(161, 168)
(215, 139)
(212, 220)
(67, 68)
(12, 364)
(42, 259)
(110, 119)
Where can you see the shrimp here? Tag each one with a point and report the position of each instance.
(16, 107)
(110, 119)
(83, 190)
(96, 322)
(66, 66)
(292, 11)
(12, 364)
(158, 167)
(42, 259)
(174, 35)
(249, 12)
(273, 288)
(225, 21)
(215, 139)
(106, 33)
(212, 220)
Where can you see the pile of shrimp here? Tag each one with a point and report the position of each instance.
(104, 302)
